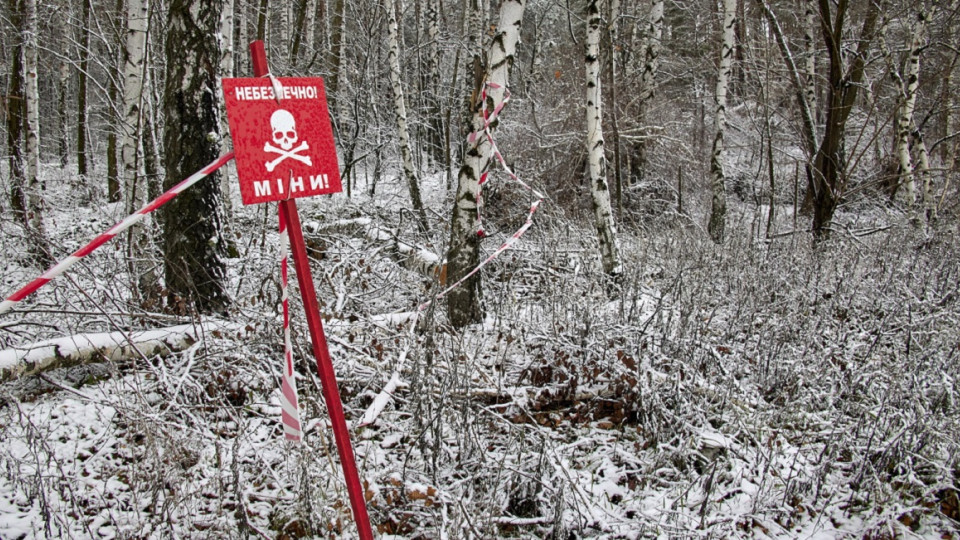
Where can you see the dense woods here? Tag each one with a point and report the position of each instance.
(736, 313)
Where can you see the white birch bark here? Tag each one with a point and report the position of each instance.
(39, 245)
(145, 281)
(464, 302)
(907, 106)
(310, 19)
(227, 22)
(227, 61)
(400, 115)
(136, 38)
(599, 190)
(285, 23)
(718, 208)
(654, 37)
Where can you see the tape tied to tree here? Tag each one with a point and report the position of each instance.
(123, 225)
(489, 117)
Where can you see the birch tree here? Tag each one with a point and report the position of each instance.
(599, 190)
(227, 60)
(400, 115)
(908, 100)
(434, 108)
(139, 245)
(718, 207)
(39, 246)
(194, 247)
(464, 303)
(134, 52)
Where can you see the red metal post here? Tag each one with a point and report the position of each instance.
(328, 379)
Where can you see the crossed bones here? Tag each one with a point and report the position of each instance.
(293, 153)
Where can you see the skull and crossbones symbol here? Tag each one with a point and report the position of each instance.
(284, 129)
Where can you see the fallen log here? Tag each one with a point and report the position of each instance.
(80, 349)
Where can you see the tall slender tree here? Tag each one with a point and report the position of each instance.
(464, 303)
(84, 52)
(39, 245)
(908, 101)
(145, 284)
(400, 115)
(653, 36)
(829, 180)
(718, 206)
(15, 116)
(194, 247)
(599, 189)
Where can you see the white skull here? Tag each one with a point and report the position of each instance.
(284, 129)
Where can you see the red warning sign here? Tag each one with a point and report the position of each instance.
(284, 148)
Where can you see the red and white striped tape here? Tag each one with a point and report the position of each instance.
(127, 222)
(290, 414)
(488, 118)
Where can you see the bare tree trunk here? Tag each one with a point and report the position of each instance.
(905, 114)
(227, 60)
(63, 86)
(599, 190)
(829, 177)
(134, 52)
(241, 39)
(194, 246)
(39, 245)
(810, 61)
(718, 208)
(464, 305)
(338, 28)
(614, 124)
(114, 181)
(309, 23)
(400, 115)
(16, 113)
(651, 64)
(262, 20)
(923, 171)
(145, 286)
(803, 91)
(285, 41)
(300, 19)
(434, 101)
(84, 40)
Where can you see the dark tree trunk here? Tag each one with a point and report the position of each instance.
(829, 174)
(194, 247)
(114, 189)
(15, 119)
(82, 92)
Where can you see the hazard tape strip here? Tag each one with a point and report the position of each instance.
(290, 410)
(489, 117)
(123, 225)
(289, 404)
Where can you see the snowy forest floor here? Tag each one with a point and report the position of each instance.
(762, 389)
